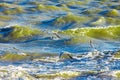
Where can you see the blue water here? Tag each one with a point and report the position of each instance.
(44, 20)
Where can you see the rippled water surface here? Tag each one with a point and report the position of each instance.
(59, 39)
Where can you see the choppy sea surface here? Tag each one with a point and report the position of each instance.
(59, 39)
